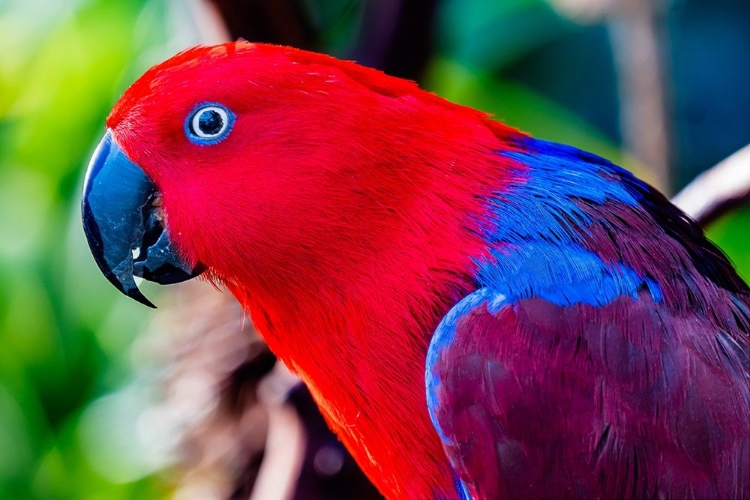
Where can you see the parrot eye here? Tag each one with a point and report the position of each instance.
(209, 124)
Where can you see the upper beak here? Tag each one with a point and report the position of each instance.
(123, 224)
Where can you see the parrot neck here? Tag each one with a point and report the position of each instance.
(367, 377)
(355, 322)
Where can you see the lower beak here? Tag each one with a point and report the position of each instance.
(122, 220)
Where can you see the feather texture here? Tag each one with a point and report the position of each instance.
(350, 211)
(606, 354)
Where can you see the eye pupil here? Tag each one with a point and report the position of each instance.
(210, 122)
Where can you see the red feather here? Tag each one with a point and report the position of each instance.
(346, 294)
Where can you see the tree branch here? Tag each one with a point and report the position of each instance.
(719, 190)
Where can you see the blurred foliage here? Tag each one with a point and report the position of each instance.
(73, 388)
(65, 338)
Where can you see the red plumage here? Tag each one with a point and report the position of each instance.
(347, 298)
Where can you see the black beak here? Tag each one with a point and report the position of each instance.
(123, 224)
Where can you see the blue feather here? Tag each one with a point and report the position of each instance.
(537, 233)
(595, 244)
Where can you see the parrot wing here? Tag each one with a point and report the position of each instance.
(629, 396)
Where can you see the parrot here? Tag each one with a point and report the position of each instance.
(478, 313)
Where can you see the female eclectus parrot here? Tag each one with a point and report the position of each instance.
(478, 314)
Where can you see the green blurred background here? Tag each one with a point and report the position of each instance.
(75, 383)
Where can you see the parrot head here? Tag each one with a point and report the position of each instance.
(254, 161)
(188, 148)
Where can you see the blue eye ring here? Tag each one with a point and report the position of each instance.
(209, 123)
